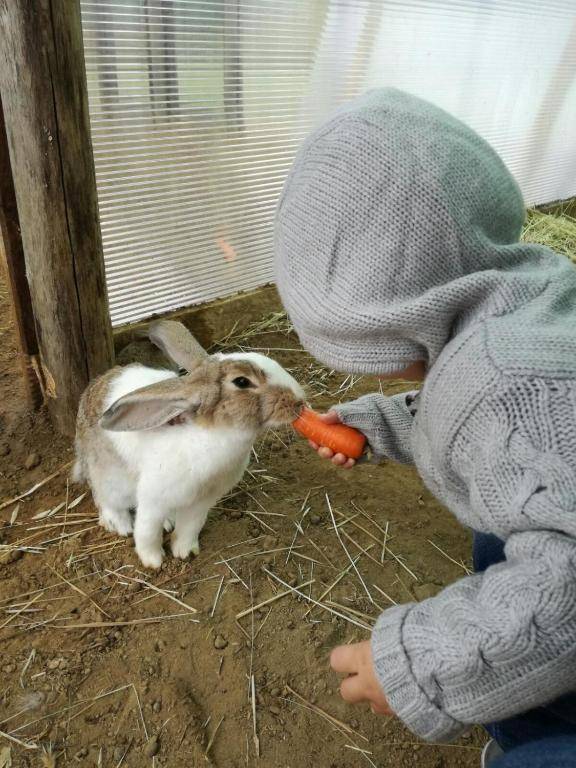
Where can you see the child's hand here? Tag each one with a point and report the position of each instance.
(361, 684)
(337, 458)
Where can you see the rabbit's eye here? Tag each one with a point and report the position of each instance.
(242, 382)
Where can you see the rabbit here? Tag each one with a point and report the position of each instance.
(168, 446)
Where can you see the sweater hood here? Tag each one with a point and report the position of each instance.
(397, 227)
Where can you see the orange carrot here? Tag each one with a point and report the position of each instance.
(338, 437)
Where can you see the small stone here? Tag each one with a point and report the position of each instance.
(152, 747)
(258, 614)
(118, 754)
(8, 668)
(54, 663)
(183, 644)
(157, 706)
(275, 692)
(254, 530)
(81, 754)
(236, 514)
(315, 519)
(275, 710)
(11, 556)
(220, 642)
(290, 625)
(159, 645)
(32, 461)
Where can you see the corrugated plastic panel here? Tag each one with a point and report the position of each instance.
(197, 109)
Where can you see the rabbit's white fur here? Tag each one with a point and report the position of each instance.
(174, 475)
(170, 475)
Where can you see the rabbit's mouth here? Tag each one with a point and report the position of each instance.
(283, 411)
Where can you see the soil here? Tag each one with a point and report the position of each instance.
(98, 669)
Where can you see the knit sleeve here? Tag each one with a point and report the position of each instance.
(502, 642)
(488, 647)
(386, 422)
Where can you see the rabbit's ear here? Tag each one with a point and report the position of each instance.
(177, 343)
(149, 407)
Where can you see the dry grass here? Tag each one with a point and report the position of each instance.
(554, 231)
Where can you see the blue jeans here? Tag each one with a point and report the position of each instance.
(557, 719)
(558, 752)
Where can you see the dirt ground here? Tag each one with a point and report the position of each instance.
(105, 664)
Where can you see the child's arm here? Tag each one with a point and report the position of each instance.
(498, 643)
(386, 422)
(488, 647)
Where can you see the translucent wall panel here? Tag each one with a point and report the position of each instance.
(197, 109)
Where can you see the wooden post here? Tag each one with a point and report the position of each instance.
(43, 86)
(13, 255)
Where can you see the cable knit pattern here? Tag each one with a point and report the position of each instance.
(397, 241)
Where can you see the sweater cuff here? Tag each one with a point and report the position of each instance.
(394, 672)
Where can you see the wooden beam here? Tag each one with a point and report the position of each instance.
(560, 207)
(43, 86)
(13, 256)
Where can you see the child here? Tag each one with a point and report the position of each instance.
(397, 254)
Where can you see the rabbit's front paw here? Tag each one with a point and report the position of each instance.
(150, 557)
(182, 548)
(116, 521)
(169, 525)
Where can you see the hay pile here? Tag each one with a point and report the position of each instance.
(557, 231)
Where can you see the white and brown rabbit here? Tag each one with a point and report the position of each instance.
(170, 447)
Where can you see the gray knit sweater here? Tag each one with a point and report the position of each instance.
(397, 240)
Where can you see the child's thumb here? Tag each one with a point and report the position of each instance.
(330, 418)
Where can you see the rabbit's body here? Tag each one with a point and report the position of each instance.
(175, 467)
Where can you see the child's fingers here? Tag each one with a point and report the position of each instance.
(353, 689)
(313, 445)
(380, 710)
(343, 659)
(343, 461)
(325, 453)
(329, 418)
